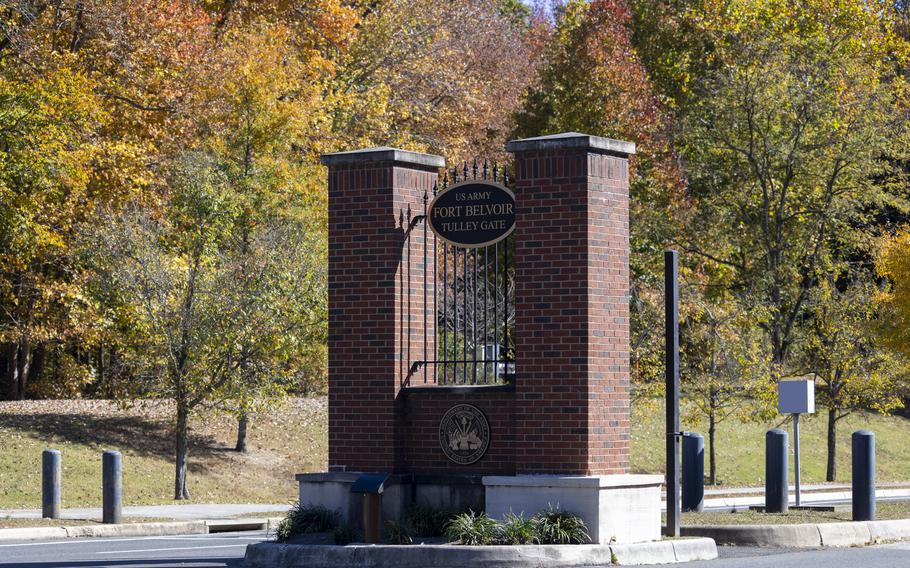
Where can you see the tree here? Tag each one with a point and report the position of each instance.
(262, 135)
(87, 117)
(783, 145)
(48, 185)
(434, 76)
(851, 370)
(179, 289)
(724, 363)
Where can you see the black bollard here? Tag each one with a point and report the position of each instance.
(863, 447)
(50, 484)
(112, 487)
(776, 488)
(693, 472)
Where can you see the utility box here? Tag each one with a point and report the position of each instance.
(796, 397)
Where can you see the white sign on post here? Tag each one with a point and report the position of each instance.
(796, 397)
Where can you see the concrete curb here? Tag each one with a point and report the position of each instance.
(139, 529)
(89, 531)
(274, 555)
(805, 536)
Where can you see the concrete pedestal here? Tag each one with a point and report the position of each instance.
(616, 508)
(332, 490)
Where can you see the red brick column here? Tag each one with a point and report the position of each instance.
(572, 304)
(375, 325)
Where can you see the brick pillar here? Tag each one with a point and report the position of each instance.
(375, 298)
(572, 304)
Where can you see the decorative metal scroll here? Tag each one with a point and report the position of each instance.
(468, 300)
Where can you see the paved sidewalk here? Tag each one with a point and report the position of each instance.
(187, 512)
(739, 498)
(806, 488)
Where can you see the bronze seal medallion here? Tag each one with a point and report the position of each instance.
(464, 434)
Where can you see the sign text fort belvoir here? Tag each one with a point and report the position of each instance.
(473, 214)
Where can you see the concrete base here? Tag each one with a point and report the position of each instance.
(616, 508)
(443, 492)
(273, 555)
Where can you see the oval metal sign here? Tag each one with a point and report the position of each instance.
(473, 214)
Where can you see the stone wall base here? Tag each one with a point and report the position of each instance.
(442, 492)
(616, 508)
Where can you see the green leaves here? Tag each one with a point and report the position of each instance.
(784, 143)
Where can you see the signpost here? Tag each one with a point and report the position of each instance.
(473, 214)
(671, 362)
(796, 397)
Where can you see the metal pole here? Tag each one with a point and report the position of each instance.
(112, 487)
(671, 362)
(796, 454)
(426, 356)
(50, 484)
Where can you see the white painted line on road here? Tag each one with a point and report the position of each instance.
(168, 549)
(88, 540)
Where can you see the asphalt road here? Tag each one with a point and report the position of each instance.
(208, 550)
(884, 556)
(226, 550)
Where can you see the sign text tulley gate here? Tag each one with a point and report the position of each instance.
(473, 214)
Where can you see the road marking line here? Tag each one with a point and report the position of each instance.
(87, 540)
(168, 549)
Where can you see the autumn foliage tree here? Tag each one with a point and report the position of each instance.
(592, 81)
(436, 76)
(771, 143)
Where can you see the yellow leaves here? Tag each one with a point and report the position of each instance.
(893, 262)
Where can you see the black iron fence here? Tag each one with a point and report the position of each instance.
(468, 302)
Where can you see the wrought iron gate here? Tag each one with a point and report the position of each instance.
(469, 308)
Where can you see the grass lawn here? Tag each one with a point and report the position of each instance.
(284, 442)
(887, 510)
(741, 447)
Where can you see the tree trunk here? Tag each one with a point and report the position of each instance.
(8, 367)
(712, 463)
(831, 474)
(180, 489)
(39, 357)
(242, 424)
(24, 360)
(101, 368)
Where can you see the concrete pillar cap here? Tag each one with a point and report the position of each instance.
(383, 154)
(571, 140)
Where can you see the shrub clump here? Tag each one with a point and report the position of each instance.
(472, 529)
(551, 526)
(555, 526)
(306, 519)
(517, 529)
